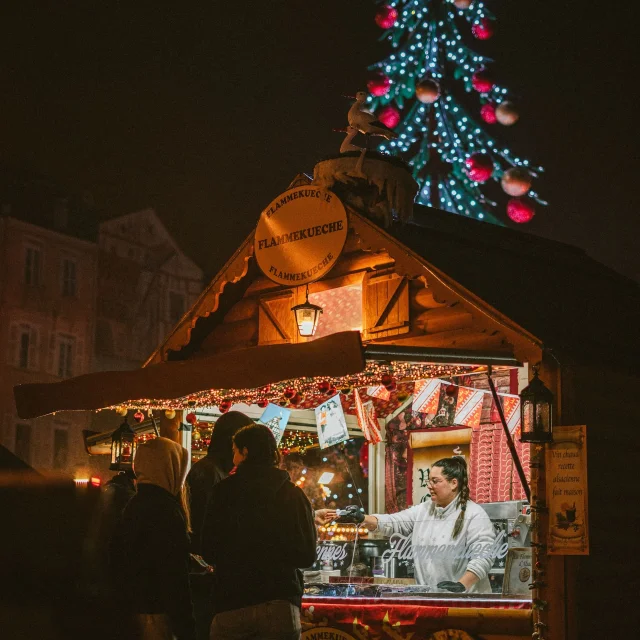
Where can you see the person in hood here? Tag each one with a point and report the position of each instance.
(258, 533)
(205, 475)
(149, 554)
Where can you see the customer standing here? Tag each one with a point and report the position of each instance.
(150, 549)
(258, 532)
(204, 475)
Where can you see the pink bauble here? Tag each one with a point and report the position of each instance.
(386, 16)
(516, 181)
(507, 113)
(520, 210)
(379, 85)
(488, 113)
(427, 91)
(389, 116)
(479, 167)
(482, 81)
(484, 29)
(462, 4)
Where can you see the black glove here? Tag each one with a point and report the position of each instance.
(350, 514)
(453, 587)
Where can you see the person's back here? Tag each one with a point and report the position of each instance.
(258, 532)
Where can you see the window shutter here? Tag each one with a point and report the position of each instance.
(386, 304)
(276, 323)
(34, 348)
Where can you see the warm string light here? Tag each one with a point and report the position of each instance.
(426, 41)
(341, 532)
(283, 392)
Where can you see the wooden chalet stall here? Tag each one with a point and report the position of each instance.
(462, 299)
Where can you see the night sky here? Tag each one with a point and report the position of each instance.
(206, 111)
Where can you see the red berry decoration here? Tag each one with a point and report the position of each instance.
(138, 416)
(379, 85)
(488, 113)
(191, 418)
(389, 116)
(450, 389)
(386, 17)
(484, 29)
(289, 393)
(296, 400)
(479, 167)
(520, 210)
(482, 81)
(323, 386)
(224, 406)
(263, 403)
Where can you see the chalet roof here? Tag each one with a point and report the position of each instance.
(573, 303)
(567, 302)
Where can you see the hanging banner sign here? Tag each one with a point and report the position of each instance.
(300, 235)
(566, 461)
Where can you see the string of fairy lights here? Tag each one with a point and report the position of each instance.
(296, 391)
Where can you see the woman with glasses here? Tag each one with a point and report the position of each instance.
(452, 537)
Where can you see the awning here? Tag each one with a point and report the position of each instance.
(336, 355)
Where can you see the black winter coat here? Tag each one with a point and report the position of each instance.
(149, 556)
(204, 475)
(258, 532)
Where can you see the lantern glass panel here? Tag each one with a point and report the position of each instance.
(307, 317)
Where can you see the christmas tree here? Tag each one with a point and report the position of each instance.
(434, 90)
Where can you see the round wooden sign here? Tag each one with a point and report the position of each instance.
(300, 235)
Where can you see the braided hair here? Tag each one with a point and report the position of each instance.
(456, 468)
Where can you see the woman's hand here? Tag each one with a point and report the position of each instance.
(325, 516)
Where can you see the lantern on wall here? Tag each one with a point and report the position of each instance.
(307, 316)
(536, 406)
(123, 447)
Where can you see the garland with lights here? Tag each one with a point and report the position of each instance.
(416, 91)
(293, 392)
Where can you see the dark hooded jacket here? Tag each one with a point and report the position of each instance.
(258, 532)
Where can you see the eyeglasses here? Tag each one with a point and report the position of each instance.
(434, 481)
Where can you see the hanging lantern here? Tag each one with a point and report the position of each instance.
(123, 448)
(307, 316)
(536, 407)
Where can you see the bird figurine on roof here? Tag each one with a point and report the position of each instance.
(366, 122)
(347, 145)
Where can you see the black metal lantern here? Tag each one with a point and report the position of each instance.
(536, 407)
(123, 448)
(307, 316)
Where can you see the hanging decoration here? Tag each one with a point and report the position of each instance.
(483, 29)
(386, 16)
(366, 419)
(138, 416)
(427, 91)
(488, 113)
(479, 167)
(389, 116)
(379, 85)
(520, 210)
(507, 113)
(516, 181)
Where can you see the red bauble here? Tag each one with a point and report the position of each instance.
(391, 387)
(451, 389)
(488, 113)
(138, 416)
(289, 393)
(482, 81)
(484, 29)
(224, 406)
(389, 116)
(386, 379)
(332, 391)
(324, 386)
(520, 210)
(379, 85)
(386, 16)
(479, 167)
(191, 418)
(297, 399)
(263, 403)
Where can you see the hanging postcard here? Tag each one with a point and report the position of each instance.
(276, 418)
(332, 426)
